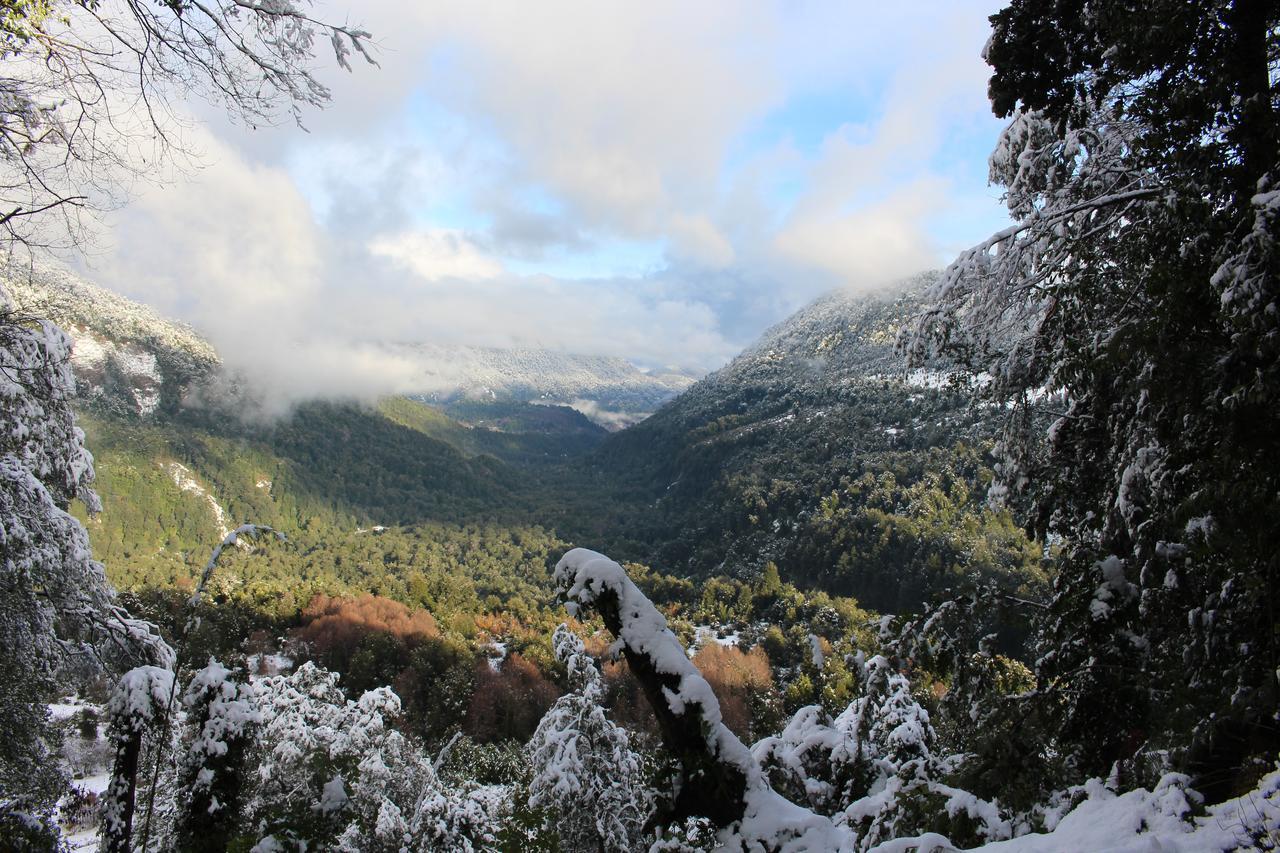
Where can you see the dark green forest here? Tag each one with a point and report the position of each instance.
(781, 524)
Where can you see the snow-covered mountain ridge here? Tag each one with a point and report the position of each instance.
(130, 359)
(127, 357)
(609, 390)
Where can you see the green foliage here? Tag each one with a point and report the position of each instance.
(1139, 289)
(812, 453)
(21, 21)
(916, 529)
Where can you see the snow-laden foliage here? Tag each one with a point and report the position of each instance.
(57, 611)
(1168, 817)
(721, 781)
(326, 767)
(142, 698)
(992, 302)
(222, 714)
(1128, 323)
(873, 768)
(585, 772)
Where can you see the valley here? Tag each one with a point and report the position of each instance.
(789, 499)
(441, 484)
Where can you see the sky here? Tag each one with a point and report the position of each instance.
(657, 181)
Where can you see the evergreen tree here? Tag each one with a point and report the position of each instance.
(876, 767)
(141, 698)
(585, 771)
(57, 612)
(1129, 321)
(327, 767)
(223, 714)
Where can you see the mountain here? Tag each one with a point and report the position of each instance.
(174, 475)
(127, 357)
(130, 359)
(817, 449)
(610, 391)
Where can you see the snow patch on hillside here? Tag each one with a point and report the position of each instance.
(184, 479)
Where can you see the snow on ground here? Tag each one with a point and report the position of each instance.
(271, 664)
(85, 841)
(65, 710)
(184, 479)
(497, 654)
(86, 760)
(1145, 821)
(703, 634)
(95, 784)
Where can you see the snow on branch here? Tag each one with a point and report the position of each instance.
(143, 695)
(250, 530)
(720, 780)
(1065, 194)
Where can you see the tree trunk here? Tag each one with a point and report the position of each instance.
(117, 815)
(1255, 132)
(708, 787)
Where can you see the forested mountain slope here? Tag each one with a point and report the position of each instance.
(128, 359)
(816, 449)
(178, 465)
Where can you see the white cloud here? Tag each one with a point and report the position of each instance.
(436, 254)
(698, 239)
(237, 253)
(498, 135)
(871, 245)
(623, 110)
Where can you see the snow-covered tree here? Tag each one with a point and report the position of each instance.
(222, 714)
(1129, 322)
(141, 699)
(875, 769)
(329, 770)
(983, 709)
(719, 781)
(57, 612)
(585, 771)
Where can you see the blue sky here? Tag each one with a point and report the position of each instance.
(657, 181)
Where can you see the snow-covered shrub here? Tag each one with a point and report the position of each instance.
(585, 771)
(816, 761)
(873, 768)
(908, 794)
(332, 770)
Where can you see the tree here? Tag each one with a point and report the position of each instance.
(222, 713)
(719, 781)
(141, 698)
(585, 770)
(331, 768)
(875, 767)
(88, 91)
(1128, 320)
(57, 612)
